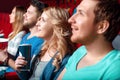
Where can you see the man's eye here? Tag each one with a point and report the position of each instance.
(39, 19)
(81, 12)
(43, 20)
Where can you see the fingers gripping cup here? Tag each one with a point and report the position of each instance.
(25, 51)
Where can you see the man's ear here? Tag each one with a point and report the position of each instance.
(102, 26)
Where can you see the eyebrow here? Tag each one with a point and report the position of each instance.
(78, 6)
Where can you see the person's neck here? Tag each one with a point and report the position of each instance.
(99, 48)
(32, 32)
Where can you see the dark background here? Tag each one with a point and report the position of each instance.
(7, 5)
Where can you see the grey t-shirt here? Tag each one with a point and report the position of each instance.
(38, 70)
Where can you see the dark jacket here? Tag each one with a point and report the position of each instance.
(49, 72)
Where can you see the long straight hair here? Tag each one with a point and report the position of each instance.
(18, 24)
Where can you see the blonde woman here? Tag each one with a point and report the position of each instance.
(15, 37)
(16, 19)
(57, 48)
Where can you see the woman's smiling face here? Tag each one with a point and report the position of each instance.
(45, 27)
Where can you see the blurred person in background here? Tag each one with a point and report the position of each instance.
(19, 30)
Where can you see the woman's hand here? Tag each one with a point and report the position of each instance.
(20, 62)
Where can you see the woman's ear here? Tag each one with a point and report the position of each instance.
(102, 26)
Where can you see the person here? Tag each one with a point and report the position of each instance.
(95, 25)
(31, 16)
(19, 30)
(56, 50)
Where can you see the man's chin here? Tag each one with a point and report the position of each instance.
(73, 39)
(25, 23)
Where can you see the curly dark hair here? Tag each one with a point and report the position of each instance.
(109, 10)
(39, 5)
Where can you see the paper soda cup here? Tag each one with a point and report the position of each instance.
(25, 51)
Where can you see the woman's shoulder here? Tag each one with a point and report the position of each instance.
(21, 33)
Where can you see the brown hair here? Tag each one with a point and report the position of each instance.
(109, 10)
(39, 6)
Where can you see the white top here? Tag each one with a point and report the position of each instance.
(3, 40)
(13, 44)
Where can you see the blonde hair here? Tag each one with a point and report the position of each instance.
(61, 34)
(18, 24)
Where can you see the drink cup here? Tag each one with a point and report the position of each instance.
(25, 51)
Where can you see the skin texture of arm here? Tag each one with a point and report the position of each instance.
(61, 74)
(10, 61)
(4, 56)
